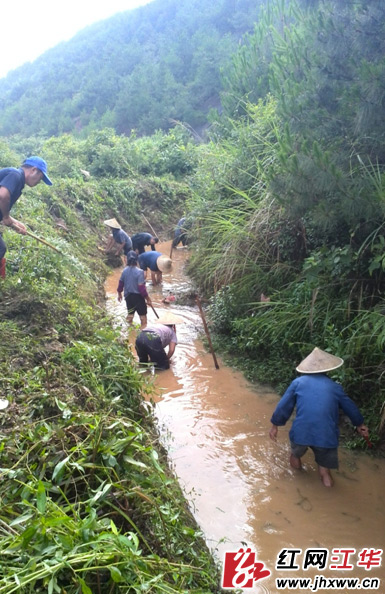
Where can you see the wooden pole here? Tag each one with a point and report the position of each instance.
(149, 224)
(206, 330)
(152, 307)
(43, 241)
(171, 251)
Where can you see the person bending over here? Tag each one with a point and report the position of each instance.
(317, 400)
(152, 341)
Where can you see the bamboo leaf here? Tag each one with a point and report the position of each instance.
(41, 498)
(85, 588)
(59, 468)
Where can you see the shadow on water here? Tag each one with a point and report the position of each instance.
(238, 482)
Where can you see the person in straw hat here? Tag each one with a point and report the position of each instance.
(157, 263)
(119, 238)
(152, 341)
(317, 400)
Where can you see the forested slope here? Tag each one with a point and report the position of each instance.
(139, 70)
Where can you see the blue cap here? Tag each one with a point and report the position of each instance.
(41, 165)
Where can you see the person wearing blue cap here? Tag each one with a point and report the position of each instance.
(12, 182)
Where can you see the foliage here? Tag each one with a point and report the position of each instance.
(289, 196)
(88, 503)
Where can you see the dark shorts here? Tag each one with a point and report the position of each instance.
(135, 302)
(326, 457)
(149, 346)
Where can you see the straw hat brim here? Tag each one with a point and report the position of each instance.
(164, 263)
(319, 362)
(169, 319)
(113, 223)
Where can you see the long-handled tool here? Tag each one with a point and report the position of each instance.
(149, 224)
(206, 330)
(152, 307)
(366, 438)
(43, 241)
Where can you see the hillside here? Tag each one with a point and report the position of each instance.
(137, 70)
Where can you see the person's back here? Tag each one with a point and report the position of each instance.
(140, 240)
(132, 277)
(317, 401)
(166, 333)
(148, 260)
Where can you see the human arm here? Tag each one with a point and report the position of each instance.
(120, 290)
(171, 349)
(5, 207)
(285, 406)
(110, 243)
(351, 409)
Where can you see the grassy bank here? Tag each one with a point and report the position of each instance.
(87, 501)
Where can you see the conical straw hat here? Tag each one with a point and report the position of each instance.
(169, 319)
(164, 263)
(319, 362)
(113, 223)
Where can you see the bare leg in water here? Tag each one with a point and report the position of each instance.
(325, 475)
(295, 462)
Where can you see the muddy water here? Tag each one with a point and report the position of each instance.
(238, 482)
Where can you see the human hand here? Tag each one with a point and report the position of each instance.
(14, 224)
(19, 227)
(120, 297)
(273, 432)
(363, 430)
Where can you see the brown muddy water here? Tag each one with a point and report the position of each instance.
(238, 482)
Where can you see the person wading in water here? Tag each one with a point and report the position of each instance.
(317, 400)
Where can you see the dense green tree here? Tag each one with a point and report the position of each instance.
(135, 71)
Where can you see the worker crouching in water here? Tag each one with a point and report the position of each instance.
(152, 340)
(133, 283)
(119, 240)
(317, 400)
(157, 263)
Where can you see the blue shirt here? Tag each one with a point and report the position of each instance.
(139, 240)
(148, 260)
(317, 400)
(14, 180)
(121, 237)
(131, 277)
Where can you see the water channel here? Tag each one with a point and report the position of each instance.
(237, 481)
